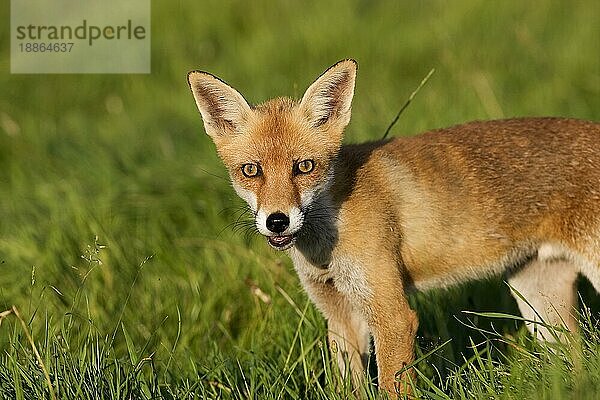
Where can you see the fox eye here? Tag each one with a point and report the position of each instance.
(251, 170)
(304, 167)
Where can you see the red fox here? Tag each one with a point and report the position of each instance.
(365, 224)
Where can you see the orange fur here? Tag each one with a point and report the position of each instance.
(370, 222)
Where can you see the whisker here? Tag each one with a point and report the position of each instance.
(239, 222)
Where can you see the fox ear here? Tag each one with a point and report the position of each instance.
(329, 98)
(224, 110)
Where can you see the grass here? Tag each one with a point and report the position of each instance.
(115, 238)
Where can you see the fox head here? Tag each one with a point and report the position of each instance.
(280, 153)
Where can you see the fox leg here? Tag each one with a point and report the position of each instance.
(348, 331)
(349, 340)
(549, 288)
(394, 325)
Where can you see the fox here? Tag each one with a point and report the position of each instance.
(367, 224)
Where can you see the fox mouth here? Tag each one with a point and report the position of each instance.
(281, 242)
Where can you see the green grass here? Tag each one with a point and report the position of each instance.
(170, 301)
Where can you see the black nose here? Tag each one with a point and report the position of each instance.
(277, 222)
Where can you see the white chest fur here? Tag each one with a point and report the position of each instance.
(345, 273)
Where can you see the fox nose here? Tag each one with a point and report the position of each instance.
(278, 222)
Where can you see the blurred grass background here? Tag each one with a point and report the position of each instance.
(124, 158)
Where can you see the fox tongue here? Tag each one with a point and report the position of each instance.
(280, 240)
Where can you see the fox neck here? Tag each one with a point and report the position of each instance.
(321, 230)
(319, 233)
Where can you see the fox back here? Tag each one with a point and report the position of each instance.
(495, 190)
